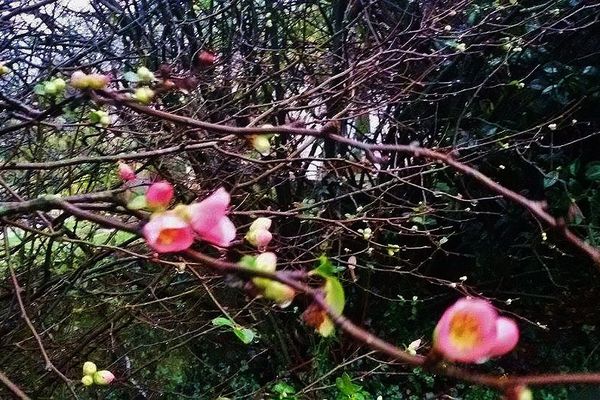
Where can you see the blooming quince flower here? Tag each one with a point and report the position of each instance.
(470, 331)
(126, 173)
(103, 377)
(168, 232)
(89, 368)
(159, 195)
(209, 220)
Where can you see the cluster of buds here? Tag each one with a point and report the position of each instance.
(91, 375)
(471, 331)
(54, 87)
(81, 80)
(173, 230)
(258, 234)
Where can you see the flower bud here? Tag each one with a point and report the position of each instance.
(4, 69)
(99, 117)
(260, 223)
(50, 88)
(103, 377)
(262, 144)
(87, 380)
(89, 368)
(143, 95)
(98, 81)
(259, 238)
(60, 84)
(206, 58)
(126, 173)
(278, 292)
(145, 75)
(79, 80)
(159, 195)
(266, 262)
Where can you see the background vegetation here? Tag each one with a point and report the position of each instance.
(509, 87)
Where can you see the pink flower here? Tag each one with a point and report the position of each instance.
(209, 221)
(168, 233)
(471, 331)
(126, 173)
(159, 195)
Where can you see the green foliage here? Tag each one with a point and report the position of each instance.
(349, 390)
(246, 335)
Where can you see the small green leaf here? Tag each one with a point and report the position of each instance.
(345, 385)
(244, 334)
(550, 179)
(592, 171)
(326, 268)
(222, 321)
(137, 203)
(131, 76)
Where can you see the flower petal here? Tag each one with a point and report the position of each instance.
(507, 337)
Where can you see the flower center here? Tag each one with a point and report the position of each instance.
(168, 236)
(465, 330)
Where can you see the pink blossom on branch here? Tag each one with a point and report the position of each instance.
(471, 331)
(209, 220)
(168, 233)
(159, 195)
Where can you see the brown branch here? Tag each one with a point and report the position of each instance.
(533, 207)
(12, 387)
(294, 280)
(49, 365)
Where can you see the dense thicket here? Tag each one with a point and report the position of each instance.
(508, 87)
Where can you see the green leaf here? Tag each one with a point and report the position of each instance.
(131, 76)
(334, 294)
(326, 268)
(550, 179)
(592, 171)
(283, 388)
(137, 203)
(244, 334)
(222, 321)
(345, 385)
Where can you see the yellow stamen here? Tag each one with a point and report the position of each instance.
(465, 330)
(168, 236)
